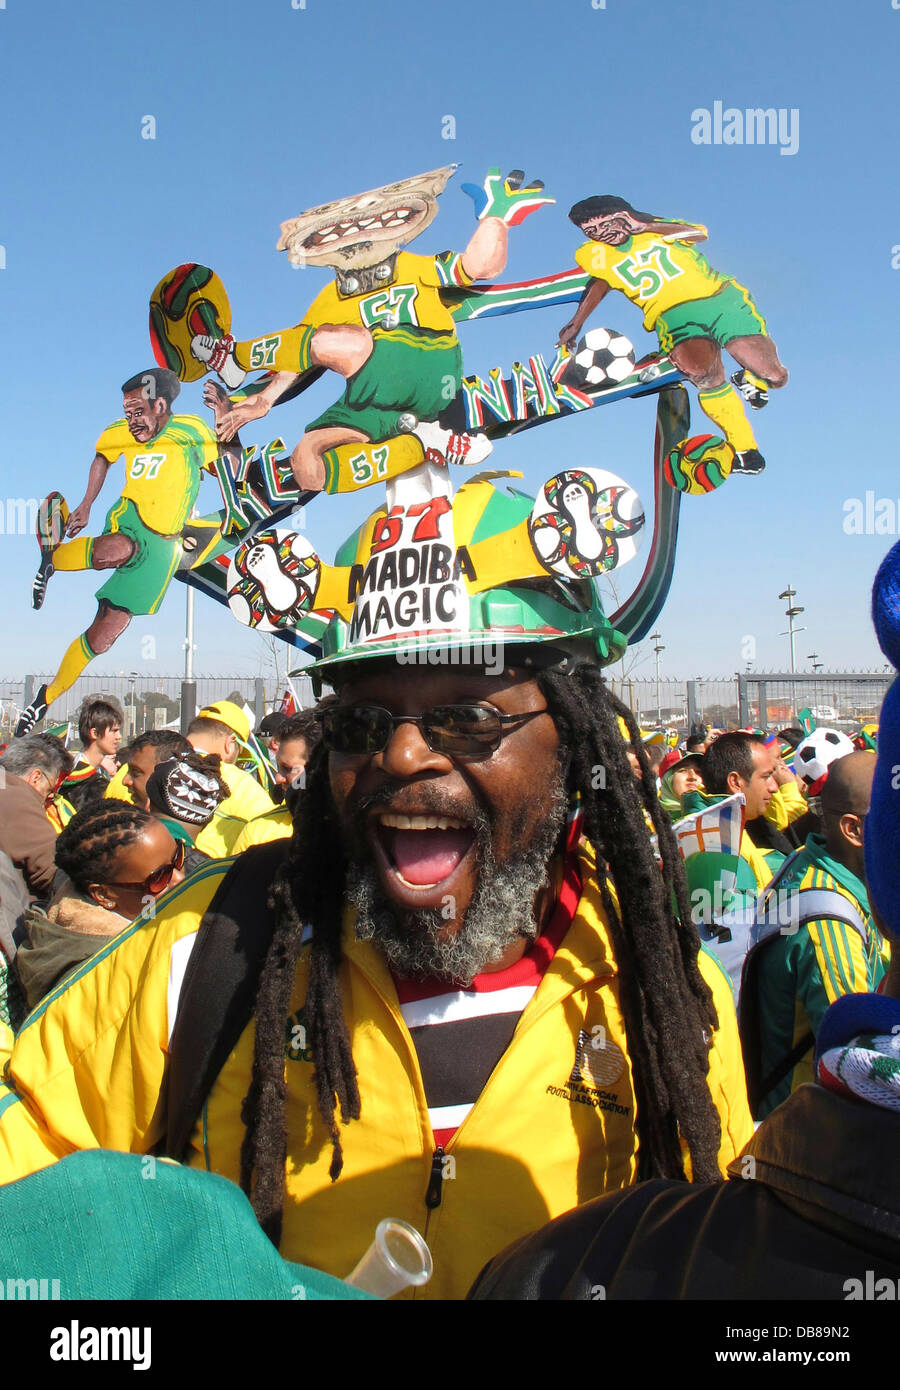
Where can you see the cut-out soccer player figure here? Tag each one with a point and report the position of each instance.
(695, 310)
(382, 325)
(142, 536)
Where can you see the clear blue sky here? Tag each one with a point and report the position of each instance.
(262, 110)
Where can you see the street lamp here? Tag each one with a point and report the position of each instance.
(658, 648)
(132, 681)
(791, 612)
(816, 663)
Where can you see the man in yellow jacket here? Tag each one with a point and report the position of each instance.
(477, 1007)
(222, 728)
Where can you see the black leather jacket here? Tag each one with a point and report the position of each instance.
(812, 1203)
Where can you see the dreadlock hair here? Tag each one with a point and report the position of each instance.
(666, 1004)
(667, 1007)
(309, 887)
(87, 846)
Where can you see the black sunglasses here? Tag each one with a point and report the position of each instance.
(159, 880)
(466, 731)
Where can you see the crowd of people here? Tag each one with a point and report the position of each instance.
(421, 961)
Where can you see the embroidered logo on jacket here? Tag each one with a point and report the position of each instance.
(599, 1062)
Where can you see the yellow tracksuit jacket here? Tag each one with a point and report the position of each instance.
(552, 1127)
(272, 825)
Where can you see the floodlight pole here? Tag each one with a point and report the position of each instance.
(657, 649)
(188, 685)
(791, 612)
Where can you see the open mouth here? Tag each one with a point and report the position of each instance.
(421, 856)
(361, 228)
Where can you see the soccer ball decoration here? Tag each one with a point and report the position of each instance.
(585, 522)
(602, 359)
(815, 753)
(698, 464)
(190, 300)
(272, 580)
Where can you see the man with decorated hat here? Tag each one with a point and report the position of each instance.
(461, 994)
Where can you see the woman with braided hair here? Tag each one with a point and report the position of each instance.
(116, 860)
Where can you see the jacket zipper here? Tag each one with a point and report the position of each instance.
(436, 1181)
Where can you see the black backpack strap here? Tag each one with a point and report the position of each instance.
(219, 989)
(785, 1066)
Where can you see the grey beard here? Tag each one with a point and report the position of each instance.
(500, 912)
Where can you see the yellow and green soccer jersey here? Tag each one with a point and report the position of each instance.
(162, 475)
(412, 299)
(803, 972)
(653, 273)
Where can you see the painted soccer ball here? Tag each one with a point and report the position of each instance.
(602, 359)
(699, 464)
(272, 580)
(190, 300)
(585, 522)
(814, 754)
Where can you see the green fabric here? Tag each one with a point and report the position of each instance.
(792, 991)
(816, 851)
(667, 798)
(126, 1226)
(704, 875)
(49, 952)
(698, 801)
(176, 829)
(139, 585)
(729, 313)
(399, 376)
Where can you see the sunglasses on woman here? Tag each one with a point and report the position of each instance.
(463, 731)
(158, 881)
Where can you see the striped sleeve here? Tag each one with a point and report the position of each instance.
(451, 272)
(832, 960)
(840, 957)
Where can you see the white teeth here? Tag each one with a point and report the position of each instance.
(332, 236)
(370, 222)
(397, 822)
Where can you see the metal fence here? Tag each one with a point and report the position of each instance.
(150, 702)
(766, 699)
